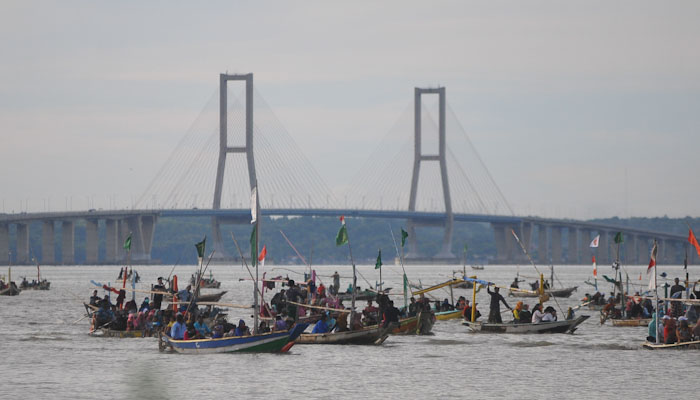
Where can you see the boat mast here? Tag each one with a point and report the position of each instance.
(656, 303)
(256, 306)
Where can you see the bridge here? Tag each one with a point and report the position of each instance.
(437, 179)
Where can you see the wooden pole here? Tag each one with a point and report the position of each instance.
(474, 300)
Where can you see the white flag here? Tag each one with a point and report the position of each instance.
(254, 205)
(652, 282)
(594, 242)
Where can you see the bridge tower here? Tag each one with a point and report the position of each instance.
(448, 220)
(224, 150)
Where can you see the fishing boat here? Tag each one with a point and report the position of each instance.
(421, 324)
(362, 296)
(448, 315)
(206, 283)
(631, 322)
(565, 292)
(10, 288)
(368, 335)
(478, 267)
(566, 326)
(694, 345)
(38, 284)
(106, 332)
(273, 342)
(202, 298)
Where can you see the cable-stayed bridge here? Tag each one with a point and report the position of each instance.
(425, 171)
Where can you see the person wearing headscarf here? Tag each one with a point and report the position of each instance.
(516, 311)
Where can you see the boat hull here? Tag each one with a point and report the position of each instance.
(274, 342)
(567, 326)
(566, 292)
(631, 322)
(372, 335)
(414, 326)
(694, 345)
(103, 332)
(448, 315)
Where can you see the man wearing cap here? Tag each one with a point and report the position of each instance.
(157, 297)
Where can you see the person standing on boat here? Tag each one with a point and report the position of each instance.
(336, 283)
(293, 295)
(495, 307)
(391, 315)
(158, 298)
(94, 299)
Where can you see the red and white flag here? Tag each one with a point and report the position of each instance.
(652, 261)
(594, 242)
(262, 255)
(595, 268)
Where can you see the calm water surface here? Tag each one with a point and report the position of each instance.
(46, 354)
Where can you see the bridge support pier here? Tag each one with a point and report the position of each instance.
(111, 240)
(22, 243)
(556, 245)
(542, 244)
(4, 244)
(643, 250)
(603, 248)
(48, 240)
(499, 235)
(585, 243)
(629, 257)
(573, 256)
(68, 242)
(92, 241)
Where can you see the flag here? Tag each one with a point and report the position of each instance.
(342, 237)
(254, 205)
(652, 261)
(378, 264)
(262, 255)
(693, 241)
(652, 282)
(618, 238)
(404, 235)
(595, 268)
(594, 242)
(127, 243)
(200, 249)
(253, 258)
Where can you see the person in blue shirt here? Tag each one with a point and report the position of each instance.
(201, 327)
(321, 326)
(242, 329)
(177, 332)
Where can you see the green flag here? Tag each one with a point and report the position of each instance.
(342, 237)
(200, 247)
(127, 243)
(404, 235)
(465, 247)
(618, 238)
(253, 256)
(378, 264)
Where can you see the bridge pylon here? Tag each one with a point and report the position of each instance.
(224, 150)
(447, 222)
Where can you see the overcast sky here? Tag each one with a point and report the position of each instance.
(579, 109)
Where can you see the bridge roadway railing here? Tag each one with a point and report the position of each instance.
(542, 237)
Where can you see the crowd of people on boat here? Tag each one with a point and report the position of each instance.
(678, 322)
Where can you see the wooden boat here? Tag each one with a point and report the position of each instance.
(105, 332)
(206, 283)
(694, 345)
(34, 285)
(10, 290)
(631, 322)
(418, 325)
(273, 342)
(566, 292)
(203, 298)
(566, 326)
(478, 267)
(368, 335)
(447, 315)
(362, 296)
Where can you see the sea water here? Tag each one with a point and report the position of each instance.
(45, 353)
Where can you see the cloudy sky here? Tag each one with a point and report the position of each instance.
(579, 109)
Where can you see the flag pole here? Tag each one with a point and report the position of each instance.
(405, 278)
(256, 306)
(354, 277)
(656, 303)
